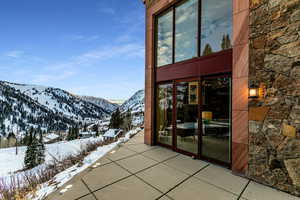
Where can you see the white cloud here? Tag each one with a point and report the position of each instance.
(14, 54)
(110, 11)
(109, 52)
(83, 38)
(44, 78)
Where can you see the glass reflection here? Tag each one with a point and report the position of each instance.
(164, 38)
(186, 16)
(187, 116)
(164, 116)
(216, 130)
(216, 26)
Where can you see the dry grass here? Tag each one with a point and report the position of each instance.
(21, 185)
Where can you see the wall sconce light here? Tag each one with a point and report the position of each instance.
(253, 92)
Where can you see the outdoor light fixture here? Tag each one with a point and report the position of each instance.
(253, 92)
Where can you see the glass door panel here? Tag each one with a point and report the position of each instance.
(187, 105)
(164, 113)
(216, 119)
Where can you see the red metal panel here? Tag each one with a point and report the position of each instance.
(216, 63)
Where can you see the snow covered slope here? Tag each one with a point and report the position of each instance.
(106, 105)
(134, 103)
(49, 108)
(137, 106)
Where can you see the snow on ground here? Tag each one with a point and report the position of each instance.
(68, 174)
(10, 162)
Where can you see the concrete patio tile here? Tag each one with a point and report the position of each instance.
(136, 163)
(186, 164)
(119, 153)
(102, 161)
(88, 197)
(256, 191)
(160, 154)
(104, 175)
(162, 177)
(77, 190)
(223, 178)
(195, 189)
(139, 148)
(128, 189)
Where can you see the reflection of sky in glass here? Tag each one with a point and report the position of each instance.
(165, 96)
(186, 30)
(164, 39)
(216, 22)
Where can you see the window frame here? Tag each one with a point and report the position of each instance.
(172, 8)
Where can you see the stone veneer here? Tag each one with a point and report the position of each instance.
(274, 118)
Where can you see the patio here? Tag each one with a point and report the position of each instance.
(136, 171)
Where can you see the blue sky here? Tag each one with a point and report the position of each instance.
(88, 47)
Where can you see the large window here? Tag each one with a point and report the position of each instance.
(164, 38)
(216, 26)
(214, 31)
(186, 30)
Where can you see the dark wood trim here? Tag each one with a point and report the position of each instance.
(218, 162)
(199, 28)
(200, 108)
(173, 34)
(165, 145)
(174, 139)
(153, 85)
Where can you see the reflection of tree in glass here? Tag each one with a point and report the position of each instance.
(226, 42)
(207, 50)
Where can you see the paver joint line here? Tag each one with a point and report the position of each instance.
(241, 194)
(190, 176)
(88, 189)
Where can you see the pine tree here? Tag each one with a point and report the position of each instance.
(223, 44)
(70, 135)
(127, 123)
(207, 50)
(76, 132)
(30, 159)
(85, 127)
(40, 149)
(116, 120)
(226, 42)
(96, 129)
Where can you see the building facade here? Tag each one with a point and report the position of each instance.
(223, 84)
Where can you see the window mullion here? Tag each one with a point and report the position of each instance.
(199, 27)
(173, 35)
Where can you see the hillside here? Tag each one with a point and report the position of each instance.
(136, 105)
(103, 103)
(50, 108)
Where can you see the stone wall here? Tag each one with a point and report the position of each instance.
(274, 118)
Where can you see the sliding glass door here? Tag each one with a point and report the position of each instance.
(216, 118)
(187, 117)
(194, 117)
(164, 114)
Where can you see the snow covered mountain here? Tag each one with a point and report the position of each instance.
(23, 106)
(136, 104)
(103, 103)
